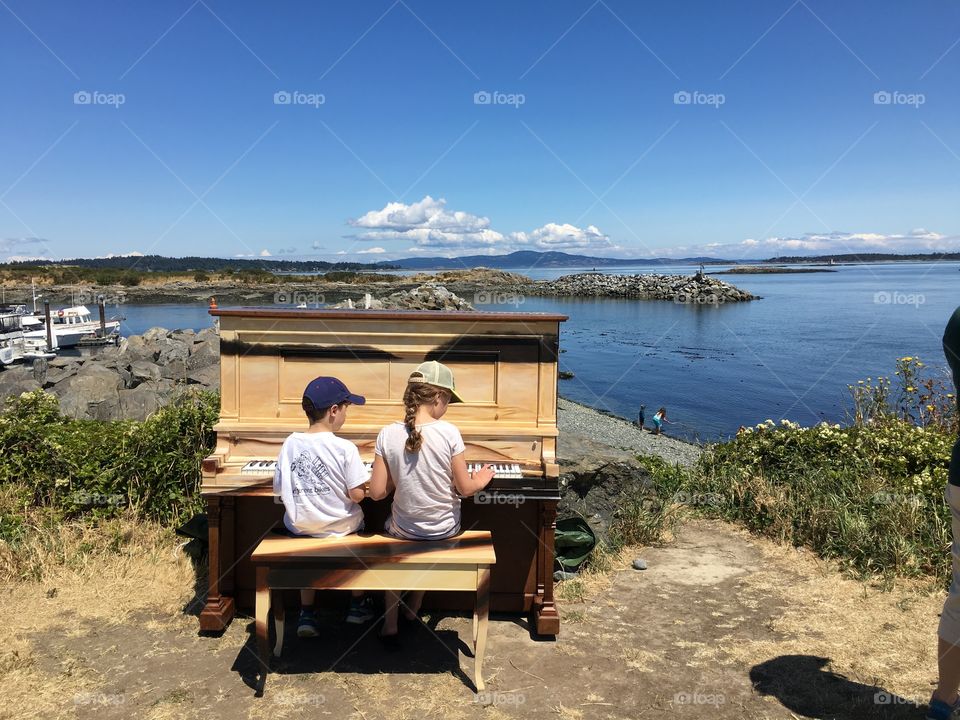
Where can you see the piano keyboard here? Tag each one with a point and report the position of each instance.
(503, 471)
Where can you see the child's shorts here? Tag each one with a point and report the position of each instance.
(390, 529)
(949, 629)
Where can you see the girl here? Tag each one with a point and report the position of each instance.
(422, 458)
(659, 419)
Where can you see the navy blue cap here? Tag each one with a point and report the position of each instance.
(324, 392)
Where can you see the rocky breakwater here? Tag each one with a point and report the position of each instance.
(698, 289)
(424, 297)
(129, 381)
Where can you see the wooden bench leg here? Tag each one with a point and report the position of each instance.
(278, 618)
(262, 627)
(483, 612)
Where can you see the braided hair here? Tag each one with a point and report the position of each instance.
(416, 394)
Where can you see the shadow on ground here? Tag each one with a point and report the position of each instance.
(806, 686)
(344, 648)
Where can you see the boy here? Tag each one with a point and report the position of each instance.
(320, 480)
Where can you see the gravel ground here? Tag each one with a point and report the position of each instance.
(576, 419)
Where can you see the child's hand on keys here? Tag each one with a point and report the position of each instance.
(485, 473)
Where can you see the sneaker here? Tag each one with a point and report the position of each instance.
(307, 625)
(361, 610)
(939, 710)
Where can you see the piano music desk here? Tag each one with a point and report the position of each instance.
(372, 562)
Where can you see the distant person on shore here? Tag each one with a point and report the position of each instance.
(945, 700)
(659, 419)
(320, 480)
(642, 416)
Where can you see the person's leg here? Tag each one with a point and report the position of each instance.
(948, 666)
(948, 634)
(412, 605)
(307, 624)
(390, 616)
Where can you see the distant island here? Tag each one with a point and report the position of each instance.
(770, 270)
(520, 260)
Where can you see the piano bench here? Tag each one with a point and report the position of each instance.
(372, 562)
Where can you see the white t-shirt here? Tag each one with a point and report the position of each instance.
(315, 473)
(425, 504)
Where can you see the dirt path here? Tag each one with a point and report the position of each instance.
(722, 625)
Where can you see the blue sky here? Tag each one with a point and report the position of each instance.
(381, 129)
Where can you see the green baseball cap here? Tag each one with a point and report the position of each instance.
(438, 375)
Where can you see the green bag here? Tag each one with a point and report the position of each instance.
(573, 541)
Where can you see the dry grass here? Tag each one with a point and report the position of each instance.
(83, 577)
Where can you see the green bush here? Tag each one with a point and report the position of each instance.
(869, 496)
(89, 467)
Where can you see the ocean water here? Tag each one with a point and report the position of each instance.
(789, 355)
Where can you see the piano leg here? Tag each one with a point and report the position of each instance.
(219, 608)
(546, 617)
(278, 618)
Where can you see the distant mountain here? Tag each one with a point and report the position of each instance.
(159, 263)
(530, 258)
(865, 257)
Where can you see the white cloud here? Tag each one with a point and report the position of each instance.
(554, 236)
(918, 240)
(429, 226)
(24, 258)
(132, 253)
(262, 253)
(373, 250)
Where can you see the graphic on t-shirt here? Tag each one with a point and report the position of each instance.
(310, 475)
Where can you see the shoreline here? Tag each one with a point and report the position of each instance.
(583, 421)
(472, 285)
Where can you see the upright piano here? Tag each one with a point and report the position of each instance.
(505, 365)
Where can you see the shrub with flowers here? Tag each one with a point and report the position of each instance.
(869, 494)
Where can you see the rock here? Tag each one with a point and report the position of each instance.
(39, 370)
(639, 564)
(596, 481)
(560, 575)
(696, 289)
(424, 297)
(207, 377)
(136, 348)
(155, 335)
(203, 354)
(16, 379)
(56, 374)
(93, 393)
(143, 371)
(138, 403)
